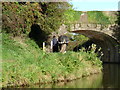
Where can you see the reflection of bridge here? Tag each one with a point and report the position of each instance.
(103, 37)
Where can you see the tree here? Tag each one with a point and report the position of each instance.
(116, 28)
(19, 17)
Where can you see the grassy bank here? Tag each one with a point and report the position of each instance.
(24, 63)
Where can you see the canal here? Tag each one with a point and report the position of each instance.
(108, 79)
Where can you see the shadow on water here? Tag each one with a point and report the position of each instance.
(111, 75)
(37, 34)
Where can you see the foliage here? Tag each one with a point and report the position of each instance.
(98, 17)
(24, 63)
(118, 18)
(19, 17)
(75, 40)
(116, 27)
(79, 37)
(71, 17)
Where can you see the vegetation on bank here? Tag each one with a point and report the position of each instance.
(18, 17)
(98, 17)
(25, 63)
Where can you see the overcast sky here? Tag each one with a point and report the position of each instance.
(100, 5)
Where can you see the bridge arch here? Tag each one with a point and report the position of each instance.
(110, 46)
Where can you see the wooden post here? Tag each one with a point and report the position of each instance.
(44, 46)
(51, 46)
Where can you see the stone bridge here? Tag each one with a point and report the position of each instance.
(102, 36)
(94, 27)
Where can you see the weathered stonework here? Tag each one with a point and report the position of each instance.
(102, 36)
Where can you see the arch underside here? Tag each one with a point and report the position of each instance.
(110, 46)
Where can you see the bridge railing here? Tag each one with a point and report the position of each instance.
(81, 26)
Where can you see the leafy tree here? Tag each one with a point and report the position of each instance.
(19, 17)
(116, 28)
(54, 14)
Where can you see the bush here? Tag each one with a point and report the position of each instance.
(19, 17)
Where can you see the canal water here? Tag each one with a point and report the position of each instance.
(110, 78)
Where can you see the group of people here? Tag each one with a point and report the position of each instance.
(60, 44)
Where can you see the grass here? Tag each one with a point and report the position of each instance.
(25, 63)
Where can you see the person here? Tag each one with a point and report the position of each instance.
(63, 42)
(54, 44)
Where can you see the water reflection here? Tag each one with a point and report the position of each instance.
(108, 79)
(93, 81)
(111, 75)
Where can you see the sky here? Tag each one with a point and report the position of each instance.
(91, 5)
